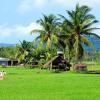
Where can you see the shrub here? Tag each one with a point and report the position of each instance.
(41, 62)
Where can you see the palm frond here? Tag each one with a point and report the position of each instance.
(95, 35)
(86, 41)
(89, 16)
(62, 43)
(71, 14)
(89, 30)
(64, 18)
(36, 31)
(85, 10)
(90, 24)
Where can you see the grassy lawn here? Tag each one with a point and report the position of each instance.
(36, 84)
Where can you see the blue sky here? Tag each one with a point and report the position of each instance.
(18, 17)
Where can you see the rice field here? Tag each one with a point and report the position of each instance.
(35, 84)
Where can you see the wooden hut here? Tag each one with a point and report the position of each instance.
(58, 62)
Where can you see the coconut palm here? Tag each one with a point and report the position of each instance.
(79, 25)
(65, 40)
(48, 30)
(24, 50)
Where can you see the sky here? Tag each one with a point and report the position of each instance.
(18, 17)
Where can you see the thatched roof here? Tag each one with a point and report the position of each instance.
(49, 62)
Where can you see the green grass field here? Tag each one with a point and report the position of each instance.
(36, 84)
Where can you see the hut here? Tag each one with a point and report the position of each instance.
(58, 62)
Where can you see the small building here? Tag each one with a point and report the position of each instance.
(8, 62)
(58, 62)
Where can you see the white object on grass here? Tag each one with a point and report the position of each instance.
(2, 73)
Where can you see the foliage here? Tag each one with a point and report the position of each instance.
(76, 28)
(41, 63)
(66, 34)
(47, 33)
(8, 52)
(24, 51)
(92, 56)
(40, 52)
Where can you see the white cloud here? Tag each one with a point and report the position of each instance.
(5, 31)
(71, 3)
(40, 3)
(66, 2)
(98, 30)
(27, 5)
(10, 34)
(25, 30)
(19, 32)
(91, 3)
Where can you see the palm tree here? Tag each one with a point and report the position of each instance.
(24, 50)
(47, 33)
(65, 40)
(79, 25)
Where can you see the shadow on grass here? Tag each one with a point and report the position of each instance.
(93, 72)
(88, 72)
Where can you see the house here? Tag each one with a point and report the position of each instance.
(8, 62)
(58, 62)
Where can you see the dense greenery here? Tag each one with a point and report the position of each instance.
(76, 28)
(68, 34)
(8, 52)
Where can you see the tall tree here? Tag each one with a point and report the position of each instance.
(24, 50)
(79, 25)
(47, 33)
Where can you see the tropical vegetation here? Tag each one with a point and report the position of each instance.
(57, 33)
(68, 34)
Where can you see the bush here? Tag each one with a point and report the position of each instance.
(41, 62)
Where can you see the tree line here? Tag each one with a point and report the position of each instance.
(58, 33)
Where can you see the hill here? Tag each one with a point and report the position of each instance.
(6, 45)
(95, 41)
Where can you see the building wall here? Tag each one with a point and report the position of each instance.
(4, 63)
